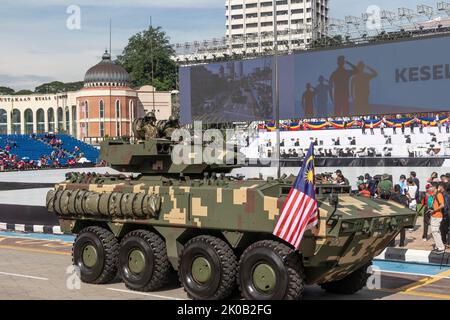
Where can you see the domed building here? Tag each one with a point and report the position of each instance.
(108, 106)
(105, 107)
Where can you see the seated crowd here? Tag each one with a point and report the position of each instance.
(14, 156)
(414, 138)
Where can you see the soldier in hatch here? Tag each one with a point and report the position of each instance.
(168, 127)
(145, 128)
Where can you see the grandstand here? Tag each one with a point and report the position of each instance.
(32, 148)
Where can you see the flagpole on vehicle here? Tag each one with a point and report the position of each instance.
(277, 96)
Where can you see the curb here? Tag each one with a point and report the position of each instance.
(30, 228)
(414, 256)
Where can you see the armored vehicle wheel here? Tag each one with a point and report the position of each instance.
(95, 252)
(207, 268)
(350, 284)
(270, 270)
(143, 261)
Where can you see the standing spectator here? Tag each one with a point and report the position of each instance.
(411, 194)
(400, 198)
(413, 176)
(436, 216)
(403, 184)
(433, 178)
(439, 125)
(385, 187)
(421, 126)
(382, 126)
(427, 202)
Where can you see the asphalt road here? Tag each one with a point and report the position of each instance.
(40, 268)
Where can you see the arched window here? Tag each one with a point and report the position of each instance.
(60, 115)
(118, 120)
(86, 110)
(102, 109)
(40, 117)
(51, 120)
(28, 121)
(67, 119)
(118, 113)
(74, 121)
(15, 121)
(3, 122)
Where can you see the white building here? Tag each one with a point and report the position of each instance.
(253, 21)
(105, 106)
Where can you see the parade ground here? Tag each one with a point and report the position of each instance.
(36, 266)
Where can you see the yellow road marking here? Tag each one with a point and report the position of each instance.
(34, 250)
(424, 282)
(428, 294)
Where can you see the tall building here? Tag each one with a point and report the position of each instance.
(250, 23)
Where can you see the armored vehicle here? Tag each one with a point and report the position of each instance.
(214, 229)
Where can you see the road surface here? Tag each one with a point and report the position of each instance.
(39, 267)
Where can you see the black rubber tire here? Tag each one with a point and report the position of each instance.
(286, 264)
(158, 266)
(350, 284)
(107, 248)
(223, 264)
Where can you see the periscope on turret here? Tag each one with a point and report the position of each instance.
(214, 229)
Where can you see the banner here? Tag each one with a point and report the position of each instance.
(388, 78)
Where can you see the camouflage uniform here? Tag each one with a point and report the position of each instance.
(145, 128)
(169, 127)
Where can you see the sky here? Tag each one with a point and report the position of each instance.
(37, 46)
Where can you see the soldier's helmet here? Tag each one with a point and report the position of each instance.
(150, 116)
(173, 119)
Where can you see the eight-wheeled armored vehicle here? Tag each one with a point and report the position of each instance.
(214, 229)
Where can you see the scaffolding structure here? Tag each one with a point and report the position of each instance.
(374, 25)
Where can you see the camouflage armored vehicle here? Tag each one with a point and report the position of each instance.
(215, 230)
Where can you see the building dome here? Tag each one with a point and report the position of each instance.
(106, 73)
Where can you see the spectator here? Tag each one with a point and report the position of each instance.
(385, 187)
(363, 191)
(413, 176)
(360, 181)
(433, 178)
(411, 194)
(400, 198)
(436, 217)
(427, 203)
(371, 184)
(403, 184)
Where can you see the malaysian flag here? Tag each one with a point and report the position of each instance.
(299, 211)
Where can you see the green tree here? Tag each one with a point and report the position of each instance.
(137, 60)
(6, 90)
(23, 92)
(57, 87)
